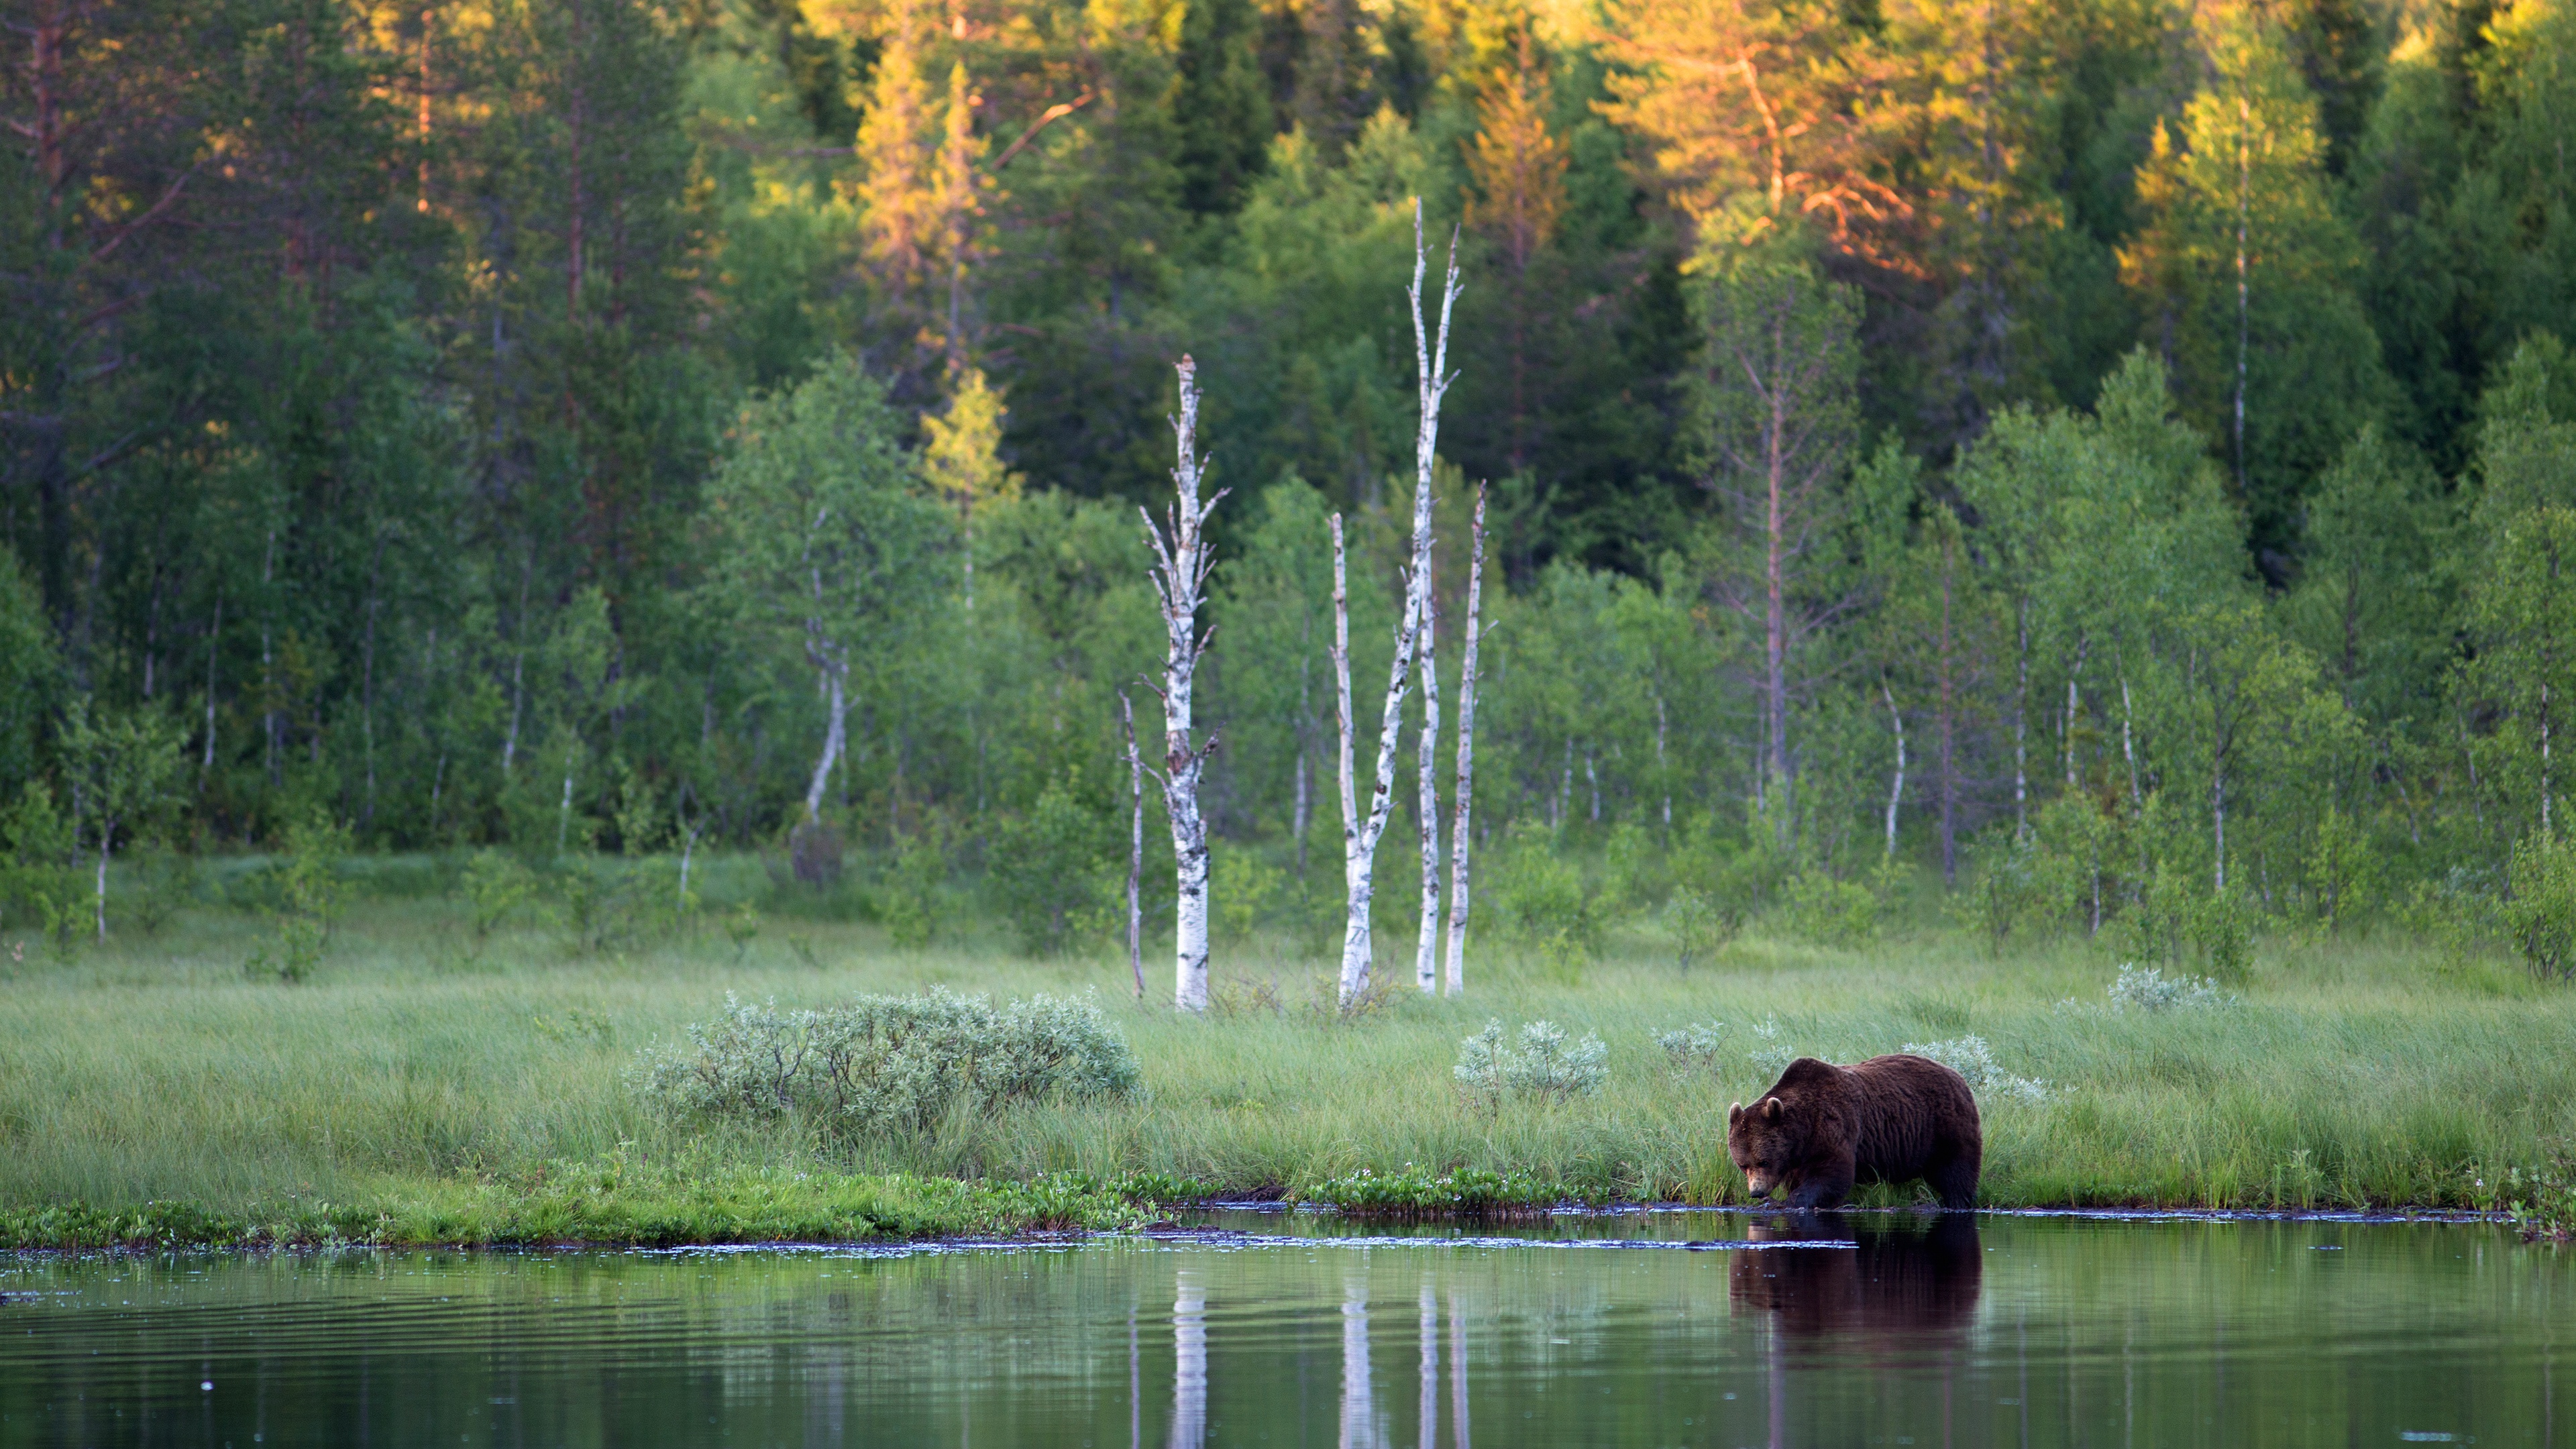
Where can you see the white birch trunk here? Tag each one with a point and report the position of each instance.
(1179, 575)
(1466, 787)
(1359, 1407)
(214, 635)
(1896, 787)
(1457, 1374)
(1342, 686)
(1426, 939)
(2021, 724)
(2129, 748)
(835, 670)
(1189, 1363)
(688, 844)
(1663, 766)
(2083, 649)
(1427, 1422)
(1431, 361)
(1135, 846)
(106, 841)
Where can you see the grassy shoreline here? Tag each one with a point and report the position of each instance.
(432, 1087)
(594, 1208)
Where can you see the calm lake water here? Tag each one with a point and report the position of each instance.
(1648, 1329)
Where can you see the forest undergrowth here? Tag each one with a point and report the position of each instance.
(427, 1084)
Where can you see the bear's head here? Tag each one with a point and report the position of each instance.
(1766, 1140)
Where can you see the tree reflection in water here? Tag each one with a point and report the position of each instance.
(1189, 1363)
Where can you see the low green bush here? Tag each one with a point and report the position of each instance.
(1051, 875)
(883, 1067)
(1469, 1191)
(1829, 912)
(1694, 1048)
(1538, 893)
(1539, 1063)
(1973, 1060)
(2148, 988)
(2540, 913)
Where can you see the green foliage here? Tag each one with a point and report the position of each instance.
(1772, 1050)
(1973, 1060)
(363, 570)
(308, 903)
(1539, 1063)
(495, 884)
(1413, 1192)
(2221, 928)
(1246, 893)
(120, 767)
(599, 903)
(2541, 1200)
(2148, 988)
(612, 1203)
(885, 1067)
(161, 882)
(1699, 928)
(37, 882)
(29, 671)
(742, 927)
(2343, 869)
(1538, 891)
(416, 1089)
(1693, 1048)
(2540, 908)
(914, 902)
(1050, 870)
(1821, 909)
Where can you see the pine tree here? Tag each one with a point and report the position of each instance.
(1220, 105)
(1518, 169)
(2249, 273)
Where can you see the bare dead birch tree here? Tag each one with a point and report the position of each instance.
(1361, 835)
(1431, 363)
(1466, 787)
(1179, 575)
(1135, 846)
(1342, 687)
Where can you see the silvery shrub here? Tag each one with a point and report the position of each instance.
(888, 1066)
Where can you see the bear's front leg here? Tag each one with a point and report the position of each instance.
(1825, 1187)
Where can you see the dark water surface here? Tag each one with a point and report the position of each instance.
(1296, 1330)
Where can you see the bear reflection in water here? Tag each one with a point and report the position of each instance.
(1907, 1277)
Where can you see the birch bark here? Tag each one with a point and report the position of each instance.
(1135, 846)
(1359, 863)
(1896, 787)
(1466, 787)
(1179, 575)
(1431, 381)
(1342, 685)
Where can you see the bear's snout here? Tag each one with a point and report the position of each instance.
(1758, 1182)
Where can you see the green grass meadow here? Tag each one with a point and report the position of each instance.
(426, 1077)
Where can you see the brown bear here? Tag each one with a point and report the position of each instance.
(1822, 1127)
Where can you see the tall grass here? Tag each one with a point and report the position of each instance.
(2344, 1074)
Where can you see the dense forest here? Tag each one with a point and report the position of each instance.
(2117, 454)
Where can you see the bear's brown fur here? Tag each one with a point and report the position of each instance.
(1821, 1128)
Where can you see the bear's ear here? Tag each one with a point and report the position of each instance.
(1734, 1113)
(1771, 1108)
